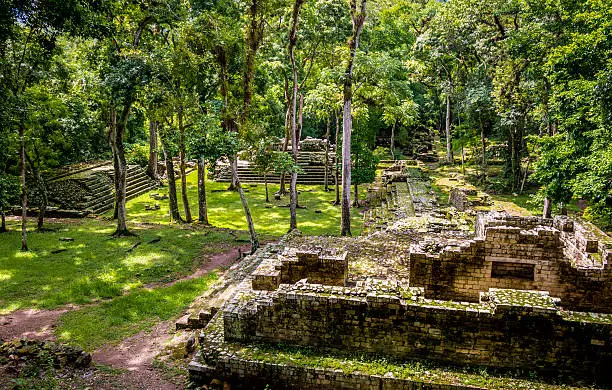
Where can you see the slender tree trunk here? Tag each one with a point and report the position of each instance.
(483, 142)
(327, 154)
(118, 149)
(247, 213)
(283, 189)
(358, 19)
(183, 167)
(24, 188)
(42, 187)
(295, 140)
(335, 160)
(3, 225)
(449, 113)
(172, 198)
(393, 140)
(547, 212)
(202, 206)
(266, 185)
(525, 176)
(153, 155)
(356, 200)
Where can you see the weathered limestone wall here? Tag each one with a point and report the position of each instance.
(561, 256)
(509, 329)
(245, 374)
(294, 265)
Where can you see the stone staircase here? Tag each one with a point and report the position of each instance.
(310, 162)
(102, 196)
(92, 190)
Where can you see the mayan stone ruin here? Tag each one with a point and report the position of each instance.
(470, 289)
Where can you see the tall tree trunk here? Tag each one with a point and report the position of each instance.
(24, 188)
(121, 174)
(247, 213)
(254, 38)
(295, 140)
(335, 160)
(356, 200)
(42, 187)
(172, 198)
(393, 140)
(283, 189)
(547, 212)
(183, 167)
(483, 142)
(327, 154)
(3, 225)
(449, 145)
(153, 155)
(358, 20)
(266, 185)
(202, 206)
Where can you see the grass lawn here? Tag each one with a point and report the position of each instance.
(319, 217)
(95, 266)
(93, 326)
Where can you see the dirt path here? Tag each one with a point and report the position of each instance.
(32, 324)
(134, 354)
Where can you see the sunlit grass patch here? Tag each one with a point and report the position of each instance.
(93, 326)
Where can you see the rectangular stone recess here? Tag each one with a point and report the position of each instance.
(505, 270)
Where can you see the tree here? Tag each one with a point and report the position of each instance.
(9, 193)
(358, 17)
(363, 167)
(29, 41)
(295, 139)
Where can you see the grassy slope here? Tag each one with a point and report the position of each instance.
(93, 326)
(96, 266)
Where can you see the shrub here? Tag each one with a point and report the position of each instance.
(138, 154)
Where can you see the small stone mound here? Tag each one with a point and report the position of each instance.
(21, 352)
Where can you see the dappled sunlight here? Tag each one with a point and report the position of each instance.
(5, 275)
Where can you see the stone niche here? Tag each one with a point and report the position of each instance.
(316, 265)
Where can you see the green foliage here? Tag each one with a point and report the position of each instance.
(9, 191)
(137, 154)
(382, 153)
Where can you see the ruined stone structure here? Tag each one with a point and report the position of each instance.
(316, 265)
(561, 256)
(508, 293)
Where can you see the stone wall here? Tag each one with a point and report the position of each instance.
(314, 264)
(247, 374)
(561, 256)
(508, 329)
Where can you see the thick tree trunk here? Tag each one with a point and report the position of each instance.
(247, 213)
(449, 145)
(327, 154)
(24, 189)
(335, 160)
(547, 212)
(183, 168)
(358, 20)
(202, 206)
(295, 135)
(3, 225)
(153, 155)
(393, 140)
(172, 198)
